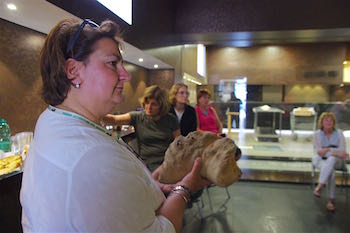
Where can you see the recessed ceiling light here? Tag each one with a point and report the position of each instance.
(155, 66)
(140, 59)
(11, 6)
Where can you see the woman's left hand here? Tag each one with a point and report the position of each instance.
(166, 188)
(343, 155)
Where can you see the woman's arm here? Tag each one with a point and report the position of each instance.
(341, 150)
(218, 122)
(198, 123)
(317, 145)
(176, 133)
(123, 119)
(174, 206)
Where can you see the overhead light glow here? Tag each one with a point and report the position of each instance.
(201, 63)
(155, 66)
(140, 59)
(122, 8)
(11, 6)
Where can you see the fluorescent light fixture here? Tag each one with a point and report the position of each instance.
(346, 72)
(11, 6)
(140, 59)
(201, 60)
(122, 8)
(155, 66)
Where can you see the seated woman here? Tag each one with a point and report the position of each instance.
(208, 119)
(155, 127)
(329, 154)
(185, 113)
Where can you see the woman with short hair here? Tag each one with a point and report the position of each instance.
(208, 119)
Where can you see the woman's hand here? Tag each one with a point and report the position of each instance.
(343, 155)
(193, 181)
(322, 152)
(108, 120)
(166, 188)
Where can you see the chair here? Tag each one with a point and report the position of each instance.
(209, 198)
(344, 176)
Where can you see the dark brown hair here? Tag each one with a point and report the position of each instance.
(53, 55)
(158, 94)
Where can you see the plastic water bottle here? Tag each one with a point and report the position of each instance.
(5, 134)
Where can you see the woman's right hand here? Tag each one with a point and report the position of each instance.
(322, 152)
(193, 180)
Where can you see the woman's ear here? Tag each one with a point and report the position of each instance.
(72, 69)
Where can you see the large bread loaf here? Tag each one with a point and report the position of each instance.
(218, 158)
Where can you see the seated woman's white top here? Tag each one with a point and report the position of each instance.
(78, 179)
(336, 142)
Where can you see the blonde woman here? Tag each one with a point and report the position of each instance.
(329, 154)
(186, 114)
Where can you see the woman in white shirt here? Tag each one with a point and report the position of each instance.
(329, 154)
(76, 177)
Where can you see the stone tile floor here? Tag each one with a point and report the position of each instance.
(259, 207)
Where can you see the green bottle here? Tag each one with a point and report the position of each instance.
(5, 134)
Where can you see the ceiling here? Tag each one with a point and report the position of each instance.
(41, 16)
(237, 23)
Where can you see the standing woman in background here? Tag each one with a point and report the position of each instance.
(185, 113)
(329, 154)
(208, 119)
(155, 127)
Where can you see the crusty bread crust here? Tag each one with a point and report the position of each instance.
(218, 158)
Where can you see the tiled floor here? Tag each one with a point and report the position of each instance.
(259, 207)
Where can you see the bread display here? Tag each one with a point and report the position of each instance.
(10, 164)
(217, 153)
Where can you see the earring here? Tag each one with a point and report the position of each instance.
(77, 85)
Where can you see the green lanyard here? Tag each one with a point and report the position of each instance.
(78, 117)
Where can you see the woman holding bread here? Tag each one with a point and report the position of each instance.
(77, 178)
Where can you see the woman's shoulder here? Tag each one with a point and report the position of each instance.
(169, 116)
(189, 108)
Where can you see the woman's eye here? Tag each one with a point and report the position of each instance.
(113, 63)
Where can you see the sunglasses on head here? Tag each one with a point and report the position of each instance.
(77, 33)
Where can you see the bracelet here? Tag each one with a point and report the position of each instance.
(182, 188)
(183, 196)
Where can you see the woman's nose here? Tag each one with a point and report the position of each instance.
(123, 74)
